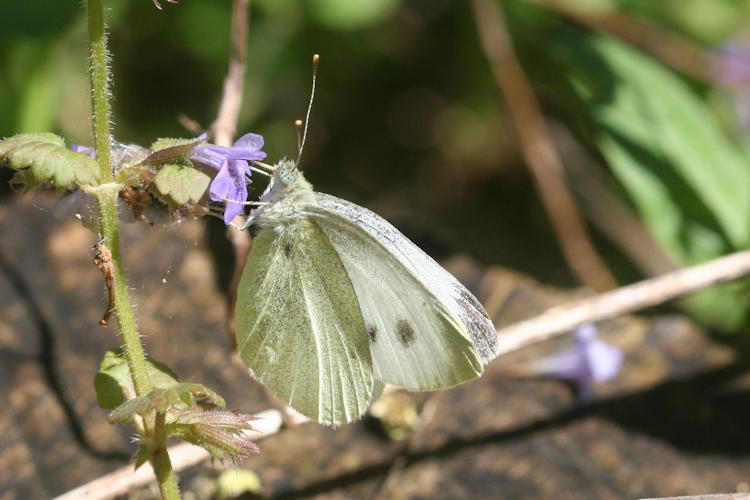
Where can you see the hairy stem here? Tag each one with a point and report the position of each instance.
(125, 318)
(107, 194)
(99, 73)
(159, 459)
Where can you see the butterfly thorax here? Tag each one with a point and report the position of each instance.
(287, 195)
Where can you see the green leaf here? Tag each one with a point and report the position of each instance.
(114, 385)
(187, 392)
(42, 157)
(346, 14)
(141, 456)
(181, 184)
(646, 118)
(687, 179)
(125, 412)
(171, 151)
(178, 397)
(163, 143)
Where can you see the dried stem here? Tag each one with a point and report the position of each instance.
(224, 129)
(538, 149)
(623, 300)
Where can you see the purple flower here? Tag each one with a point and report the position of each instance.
(230, 184)
(86, 150)
(588, 361)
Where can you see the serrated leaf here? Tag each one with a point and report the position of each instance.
(170, 142)
(178, 397)
(114, 385)
(181, 184)
(42, 157)
(127, 410)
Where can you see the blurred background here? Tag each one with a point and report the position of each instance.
(646, 103)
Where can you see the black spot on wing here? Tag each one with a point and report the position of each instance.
(288, 249)
(404, 332)
(372, 332)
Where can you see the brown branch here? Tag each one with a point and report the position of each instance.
(623, 300)
(190, 125)
(224, 127)
(538, 150)
(549, 324)
(674, 50)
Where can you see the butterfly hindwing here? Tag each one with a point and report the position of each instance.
(426, 330)
(299, 325)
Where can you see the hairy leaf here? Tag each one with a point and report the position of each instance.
(168, 151)
(114, 385)
(42, 157)
(181, 184)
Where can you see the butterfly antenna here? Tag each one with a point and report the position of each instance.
(298, 127)
(316, 59)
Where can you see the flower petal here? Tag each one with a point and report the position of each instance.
(229, 186)
(222, 185)
(208, 155)
(604, 361)
(250, 141)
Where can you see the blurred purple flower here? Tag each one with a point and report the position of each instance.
(86, 150)
(733, 72)
(230, 184)
(588, 361)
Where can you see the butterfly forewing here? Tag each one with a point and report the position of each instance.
(426, 330)
(299, 325)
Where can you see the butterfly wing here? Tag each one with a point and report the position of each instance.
(299, 326)
(426, 330)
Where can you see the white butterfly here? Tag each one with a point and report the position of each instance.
(334, 303)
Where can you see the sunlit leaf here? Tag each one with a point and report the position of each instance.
(42, 157)
(687, 179)
(181, 184)
(114, 384)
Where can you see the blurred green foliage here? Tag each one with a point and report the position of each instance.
(408, 119)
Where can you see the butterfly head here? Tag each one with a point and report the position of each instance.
(286, 172)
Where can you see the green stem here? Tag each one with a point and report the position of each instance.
(99, 86)
(107, 194)
(159, 459)
(107, 197)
